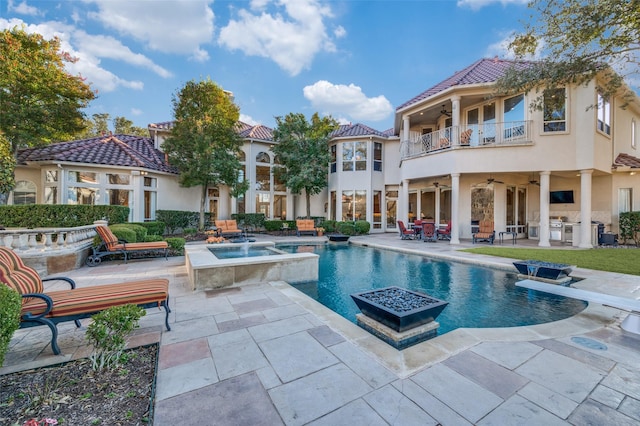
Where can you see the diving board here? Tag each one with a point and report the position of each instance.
(630, 324)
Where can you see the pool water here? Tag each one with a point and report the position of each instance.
(479, 297)
(240, 251)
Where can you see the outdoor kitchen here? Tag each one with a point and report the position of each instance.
(565, 227)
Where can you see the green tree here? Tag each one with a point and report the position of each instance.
(41, 102)
(7, 165)
(124, 126)
(303, 152)
(579, 40)
(204, 144)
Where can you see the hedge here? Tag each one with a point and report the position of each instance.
(630, 226)
(59, 215)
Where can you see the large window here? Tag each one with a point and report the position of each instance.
(354, 156)
(377, 156)
(354, 205)
(280, 206)
(555, 110)
(392, 201)
(150, 198)
(624, 200)
(514, 117)
(604, 114)
(377, 209)
(333, 158)
(24, 192)
(482, 203)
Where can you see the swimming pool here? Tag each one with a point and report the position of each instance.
(479, 297)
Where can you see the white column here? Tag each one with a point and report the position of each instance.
(403, 202)
(585, 209)
(455, 120)
(544, 209)
(437, 207)
(455, 207)
(405, 128)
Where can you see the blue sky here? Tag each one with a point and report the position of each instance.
(355, 60)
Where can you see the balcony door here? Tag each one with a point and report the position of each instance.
(482, 122)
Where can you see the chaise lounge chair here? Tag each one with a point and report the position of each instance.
(50, 308)
(111, 245)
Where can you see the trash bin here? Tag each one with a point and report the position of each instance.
(608, 239)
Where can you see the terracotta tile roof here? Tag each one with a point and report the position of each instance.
(111, 150)
(626, 160)
(346, 130)
(245, 130)
(482, 71)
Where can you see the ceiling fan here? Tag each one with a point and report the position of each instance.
(444, 111)
(533, 180)
(492, 180)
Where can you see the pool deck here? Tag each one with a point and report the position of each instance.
(265, 354)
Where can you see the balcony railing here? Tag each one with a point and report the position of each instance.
(468, 136)
(36, 240)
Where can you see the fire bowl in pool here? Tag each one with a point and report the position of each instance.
(212, 266)
(544, 270)
(400, 317)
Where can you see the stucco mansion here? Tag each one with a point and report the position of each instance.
(456, 153)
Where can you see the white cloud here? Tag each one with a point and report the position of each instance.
(88, 50)
(136, 111)
(339, 32)
(349, 100)
(22, 8)
(249, 120)
(176, 26)
(479, 4)
(291, 36)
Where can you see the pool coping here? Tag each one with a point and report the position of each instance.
(408, 361)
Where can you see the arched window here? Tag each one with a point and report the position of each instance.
(263, 157)
(24, 192)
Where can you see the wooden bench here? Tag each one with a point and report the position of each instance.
(306, 226)
(630, 324)
(112, 245)
(228, 228)
(50, 308)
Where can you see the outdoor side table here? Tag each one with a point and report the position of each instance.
(501, 235)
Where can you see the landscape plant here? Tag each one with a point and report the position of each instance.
(10, 306)
(108, 334)
(629, 226)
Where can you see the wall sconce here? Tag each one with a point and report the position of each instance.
(632, 173)
(143, 173)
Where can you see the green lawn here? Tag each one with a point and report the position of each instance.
(626, 261)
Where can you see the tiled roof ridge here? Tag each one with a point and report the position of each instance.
(129, 151)
(357, 129)
(495, 67)
(624, 159)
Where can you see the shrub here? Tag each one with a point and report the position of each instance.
(153, 238)
(10, 306)
(329, 225)
(153, 228)
(253, 220)
(108, 334)
(189, 231)
(272, 225)
(176, 244)
(124, 233)
(346, 228)
(629, 226)
(362, 227)
(177, 219)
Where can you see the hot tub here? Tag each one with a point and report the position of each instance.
(212, 266)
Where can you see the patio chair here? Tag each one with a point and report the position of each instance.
(445, 234)
(417, 228)
(485, 232)
(112, 245)
(405, 234)
(465, 137)
(50, 308)
(429, 232)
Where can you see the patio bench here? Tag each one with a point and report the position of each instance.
(53, 307)
(112, 245)
(306, 226)
(228, 228)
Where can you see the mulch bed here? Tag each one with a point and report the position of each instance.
(74, 394)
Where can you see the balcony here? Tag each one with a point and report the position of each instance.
(467, 136)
